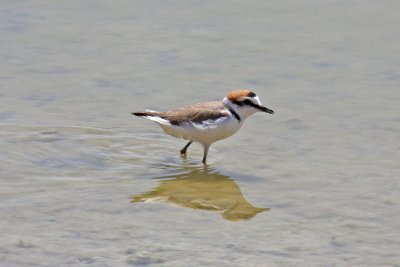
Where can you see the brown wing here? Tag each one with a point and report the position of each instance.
(195, 113)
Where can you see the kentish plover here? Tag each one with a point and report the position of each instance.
(209, 121)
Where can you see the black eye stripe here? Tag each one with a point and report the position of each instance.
(249, 103)
(239, 103)
(246, 102)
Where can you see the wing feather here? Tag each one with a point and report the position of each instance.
(196, 113)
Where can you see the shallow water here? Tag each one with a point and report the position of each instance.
(85, 183)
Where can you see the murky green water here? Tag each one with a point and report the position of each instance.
(83, 182)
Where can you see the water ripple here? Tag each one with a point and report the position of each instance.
(68, 150)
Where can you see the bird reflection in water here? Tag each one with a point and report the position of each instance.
(205, 189)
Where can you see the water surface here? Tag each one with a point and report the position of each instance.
(83, 182)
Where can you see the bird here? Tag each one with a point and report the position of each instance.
(207, 122)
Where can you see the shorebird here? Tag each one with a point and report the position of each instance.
(207, 122)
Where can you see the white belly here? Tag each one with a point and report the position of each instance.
(205, 133)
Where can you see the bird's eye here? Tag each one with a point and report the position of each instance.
(251, 94)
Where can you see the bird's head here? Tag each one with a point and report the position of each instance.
(245, 103)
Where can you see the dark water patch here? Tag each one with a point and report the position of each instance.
(256, 82)
(54, 70)
(6, 116)
(168, 57)
(86, 260)
(296, 124)
(290, 76)
(144, 260)
(113, 85)
(40, 100)
(22, 244)
(328, 65)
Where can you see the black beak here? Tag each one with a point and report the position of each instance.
(265, 109)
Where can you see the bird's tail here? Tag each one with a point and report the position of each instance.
(148, 112)
(140, 114)
(152, 115)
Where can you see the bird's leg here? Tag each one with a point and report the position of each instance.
(183, 150)
(206, 147)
